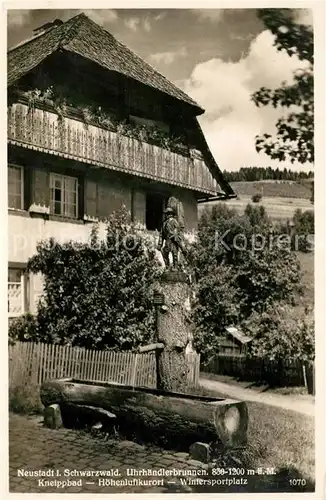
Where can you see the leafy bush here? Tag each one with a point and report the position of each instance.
(98, 294)
(217, 306)
(300, 230)
(278, 334)
(304, 229)
(256, 198)
(23, 328)
(257, 215)
(304, 222)
(240, 270)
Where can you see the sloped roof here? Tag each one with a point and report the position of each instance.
(238, 334)
(82, 36)
(212, 165)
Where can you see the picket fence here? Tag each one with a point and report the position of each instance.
(283, 373)
(32, 363)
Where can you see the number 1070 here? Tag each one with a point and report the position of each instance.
(297, 482)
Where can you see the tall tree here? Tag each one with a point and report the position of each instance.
(294, 139)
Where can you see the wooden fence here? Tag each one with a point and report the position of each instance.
(32, 363)
(280, 374)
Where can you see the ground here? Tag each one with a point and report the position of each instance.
(33, 447)
(274, 456)
(280, 198)
(301, 403)
(281, 427)
(281, 433)
(272, 188)
(277, 207)
(300, 393)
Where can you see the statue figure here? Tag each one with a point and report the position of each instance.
(171, 239)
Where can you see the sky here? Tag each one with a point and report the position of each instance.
(217, 56)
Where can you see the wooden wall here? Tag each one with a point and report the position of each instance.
(40, 130)
(101, 191)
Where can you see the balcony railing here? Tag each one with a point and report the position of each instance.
(15, 299)
(70, 138)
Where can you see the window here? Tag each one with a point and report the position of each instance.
(16, 292)
(15, 187)
(64, 195)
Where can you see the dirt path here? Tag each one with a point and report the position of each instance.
(293, 403)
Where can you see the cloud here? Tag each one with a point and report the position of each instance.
(99, 16)
(268, 66)
(102, 16)
(132, 23)
(224, 89)
(17, 18)
(159, 16)
(168, 57)
(136, 23)
(147, 25)
(212, 15)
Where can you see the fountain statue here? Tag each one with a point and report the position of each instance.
(171, 241)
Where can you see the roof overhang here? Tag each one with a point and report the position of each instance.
(219, 197)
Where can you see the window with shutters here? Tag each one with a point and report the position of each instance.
(15, 187)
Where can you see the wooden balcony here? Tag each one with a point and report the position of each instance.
(71, 138)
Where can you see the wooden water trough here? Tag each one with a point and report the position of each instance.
(169, 417)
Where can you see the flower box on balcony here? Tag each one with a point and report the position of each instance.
(39, 209)
(96, 146)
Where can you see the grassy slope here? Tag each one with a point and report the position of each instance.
(287, 438)
(277, 207)
(277, 438)
(308, 279)
(308, 283)
(283, 189)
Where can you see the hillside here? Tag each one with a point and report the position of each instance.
(277, 207)
(279, 189)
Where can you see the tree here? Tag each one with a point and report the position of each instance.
(257, 215)
(217, 306)
(251, 174)
(279, 334)
(241, 267)
(294, 139)
(303, 230)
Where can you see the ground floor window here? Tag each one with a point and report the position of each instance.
(64, 195)
(16, 291)
(15, 187)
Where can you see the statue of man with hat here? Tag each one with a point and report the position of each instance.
(171, 238)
